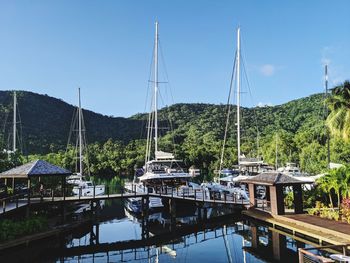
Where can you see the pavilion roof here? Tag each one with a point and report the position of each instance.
(275, 178)
(35, 169)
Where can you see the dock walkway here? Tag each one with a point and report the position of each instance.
(321, 229)
(13, 203)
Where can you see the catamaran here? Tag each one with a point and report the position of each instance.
(164, 171)
(81, 186)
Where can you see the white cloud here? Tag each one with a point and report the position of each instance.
(262, 104)
(267, 70)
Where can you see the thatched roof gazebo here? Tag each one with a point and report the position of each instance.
(35, 169)
(274, 183)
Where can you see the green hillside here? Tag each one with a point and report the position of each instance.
(46, 122)
(297, 127)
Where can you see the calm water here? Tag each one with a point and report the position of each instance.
(184, 239)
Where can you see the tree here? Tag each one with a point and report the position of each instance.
(338, 121)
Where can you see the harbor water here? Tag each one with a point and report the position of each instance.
(117, 235)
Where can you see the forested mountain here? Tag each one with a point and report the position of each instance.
(46, 122)
(297, 127)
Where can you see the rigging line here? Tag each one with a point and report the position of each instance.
(228, 112)
(20, 132)
(167, 109)
(148, 88)
(254, 108)
(72, 126)
(148, 136)
(166, 72)
(85, 145)
(4, 131)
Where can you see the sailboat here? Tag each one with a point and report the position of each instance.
(81, 186)
(164, 169)
(230, 182)
(245, 165)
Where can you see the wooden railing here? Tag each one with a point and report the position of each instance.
(306, 254)
(263, 204)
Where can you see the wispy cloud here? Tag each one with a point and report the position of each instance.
(326, 54)
(263, 104)
(336, 70)
(267, 70)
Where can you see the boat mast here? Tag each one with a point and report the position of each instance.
(80, 136)
(238, 95)
(14, 121)
(326, 111)
(156, 92)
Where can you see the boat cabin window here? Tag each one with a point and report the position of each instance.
(89, 184)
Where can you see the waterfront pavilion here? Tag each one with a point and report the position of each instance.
(35, 170)
(275, 183)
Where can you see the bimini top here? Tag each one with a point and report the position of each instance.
(275, 178)
(160, 155)
(35, 168)
(164, 176)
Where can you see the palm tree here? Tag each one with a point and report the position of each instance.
(326, 185)
(338, 121)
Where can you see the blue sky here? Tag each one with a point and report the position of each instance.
(105, 47)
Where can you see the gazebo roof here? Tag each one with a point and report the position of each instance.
(275, 178)
(35, 168)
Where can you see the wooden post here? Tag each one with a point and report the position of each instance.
(94, 191)
(28, 182)
(64, 187)
(298, 199)
(195, 197)
(251, 189)
(300, 255)
(13, 185)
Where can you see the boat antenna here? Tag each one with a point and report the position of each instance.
(238, 95)
(326, 114)
(156, 92)
(80, 136)
(14, 121)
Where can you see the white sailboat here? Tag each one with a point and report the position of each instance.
(163, 170)
(230, 182)
(81, 186)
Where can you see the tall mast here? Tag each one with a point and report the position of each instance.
(156, 92)
(326, 111)
(238, 95)
(14, 121)
(80, 136)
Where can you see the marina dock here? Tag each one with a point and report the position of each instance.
(322, 230)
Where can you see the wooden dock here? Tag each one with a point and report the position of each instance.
(323, 230)
(10, 204)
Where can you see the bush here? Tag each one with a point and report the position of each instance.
(345, 209)
(13, 229)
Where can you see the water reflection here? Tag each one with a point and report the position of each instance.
(118, 236)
